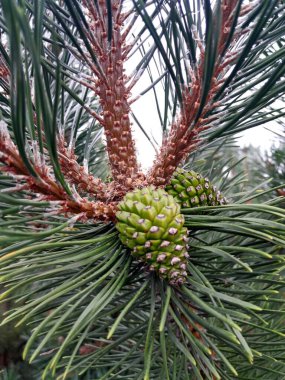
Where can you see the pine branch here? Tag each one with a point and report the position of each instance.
(45, 185)
(198, 98)
(77, 175)
(4, 70)
(111, 84)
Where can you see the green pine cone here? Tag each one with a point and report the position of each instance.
(190, 189)
(150, 223)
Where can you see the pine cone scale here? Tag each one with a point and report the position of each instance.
(190, 189)
(150, 224)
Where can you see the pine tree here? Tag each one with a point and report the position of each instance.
(120, 273)
(275, 166)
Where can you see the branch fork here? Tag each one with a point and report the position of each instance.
(91, 197)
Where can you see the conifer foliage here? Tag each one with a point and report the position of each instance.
(110, 271)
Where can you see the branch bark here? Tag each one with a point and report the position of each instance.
(45, 187)
(111, 87)
(184, 136)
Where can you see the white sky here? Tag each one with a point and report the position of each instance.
(261, 137)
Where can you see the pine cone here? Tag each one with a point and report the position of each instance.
(150, 223)
(190, 189)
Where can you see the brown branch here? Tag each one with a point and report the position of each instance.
(45, 185)
(85, 183)
(281, 192)
(111, 87)
(4, 70)
(77, 175)
(184, 135)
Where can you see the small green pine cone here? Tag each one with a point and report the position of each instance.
(150, 223)
(190, 189)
